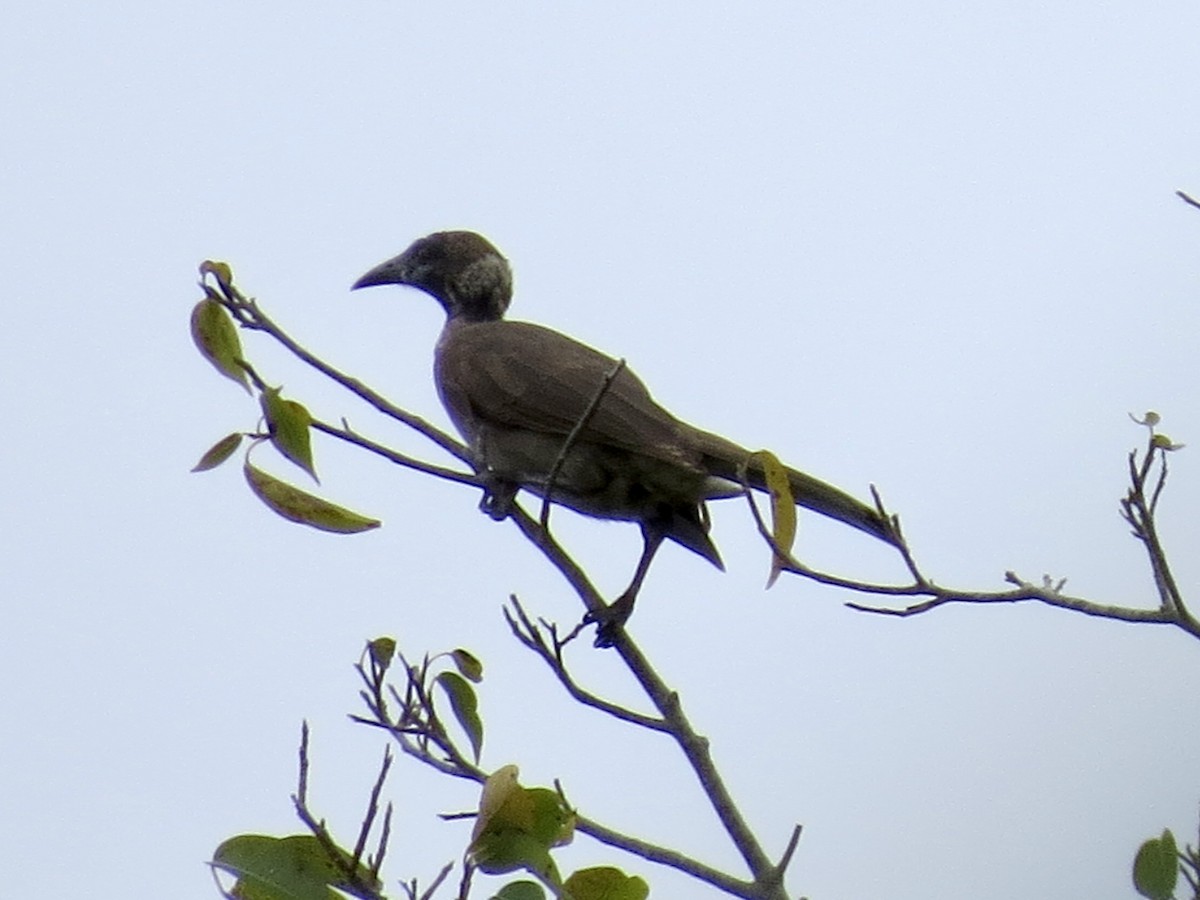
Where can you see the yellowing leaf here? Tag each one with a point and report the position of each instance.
(297, 506)
(516, 827)
(219, 452)
(783, 508)
(606, 883)
(289, 422)
(500, 786)
(217, 339)
(1162, 442)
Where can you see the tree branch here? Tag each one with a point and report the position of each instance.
(420, 733)
(248, 313)
(1136, 508)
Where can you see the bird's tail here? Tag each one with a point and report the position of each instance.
(725, 459)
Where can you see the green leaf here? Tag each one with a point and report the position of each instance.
(516, 826)
(468, 665)
(606, 883)
(219, 452)
(1162, 442)
(382, 651)
(520, 890)
(783, 508)
(465, 706)
(1156, 867)
(289, 422)
(297, 506)
(217, 339)
(501, 852)
(220, 271)
(289, 868)
(552, 822)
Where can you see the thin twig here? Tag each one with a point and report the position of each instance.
(528, 634)
(247, 311)
(573, 436)
(302, 785)
(385, 835)
(1135, 509)
(372, 807)
(1186, 199)
(347, 434)
(352, 878)
(789, 851)
(436, 883)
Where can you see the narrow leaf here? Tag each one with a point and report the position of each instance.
(289, 422)
(468, 665)
(465, 706)
(219, 452)
(297, 506)
(783, 509)
(217, 339)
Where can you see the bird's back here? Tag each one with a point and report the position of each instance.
(524, 376)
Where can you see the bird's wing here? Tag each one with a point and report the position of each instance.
(521, 375)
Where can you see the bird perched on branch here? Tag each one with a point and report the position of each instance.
(541, 411)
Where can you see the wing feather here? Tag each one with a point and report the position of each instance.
(521, 375)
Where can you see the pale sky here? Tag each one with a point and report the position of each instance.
(929, 246)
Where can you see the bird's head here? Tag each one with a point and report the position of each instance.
(462, 270)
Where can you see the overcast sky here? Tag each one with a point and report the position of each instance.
(929, 246)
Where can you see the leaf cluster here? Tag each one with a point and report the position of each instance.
(288, 422)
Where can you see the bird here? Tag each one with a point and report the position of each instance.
(543, 412)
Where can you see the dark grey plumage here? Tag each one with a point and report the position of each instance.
(516, 391)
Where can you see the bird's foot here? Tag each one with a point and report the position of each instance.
(610, 620)
(498, 498)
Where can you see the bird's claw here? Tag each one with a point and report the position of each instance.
(498, 499)
(610, 620)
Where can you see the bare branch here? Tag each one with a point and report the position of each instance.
(347, 434)
(347, 865)
(1135, 509)
(372, 807)
(530, 635)
(436, 883)
(1186, 199)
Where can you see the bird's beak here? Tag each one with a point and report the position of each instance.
(394, 271)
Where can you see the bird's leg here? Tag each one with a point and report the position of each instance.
(498, 496)
(614, 616)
